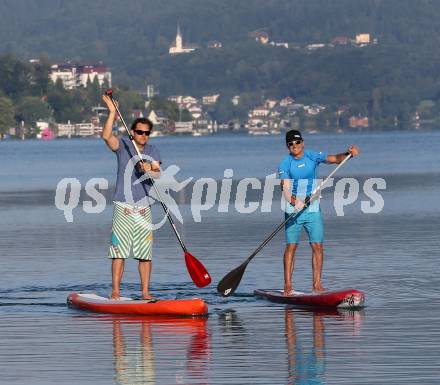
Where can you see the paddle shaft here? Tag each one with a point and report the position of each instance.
(296, 214)
(167, 211)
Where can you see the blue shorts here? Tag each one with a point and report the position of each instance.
(312, 223)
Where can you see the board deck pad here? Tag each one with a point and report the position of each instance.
(98, 304)
(98, 298)
(341, 299)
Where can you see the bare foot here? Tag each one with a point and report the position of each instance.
(147, 297)
(319, 289)
(288, 290)
(115, 296)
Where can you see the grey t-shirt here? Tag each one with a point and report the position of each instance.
(132, 193)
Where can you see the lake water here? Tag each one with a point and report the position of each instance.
(392, 256)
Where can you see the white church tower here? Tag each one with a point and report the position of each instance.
(179, 39)
(178, 46)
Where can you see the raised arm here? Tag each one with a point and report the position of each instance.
(338, 158)
(107, 132)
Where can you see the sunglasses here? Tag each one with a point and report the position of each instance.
(289, 144)
(141, 132)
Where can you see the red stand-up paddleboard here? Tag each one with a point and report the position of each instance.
(341, 299)
(172, 307)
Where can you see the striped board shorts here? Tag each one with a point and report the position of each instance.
(131, 231)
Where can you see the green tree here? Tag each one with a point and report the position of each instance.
(128, 101)
(426, 109)
(31, 108)
(224, 111)
(68, 104)
(374, 107)
(6, 115)
(94, 91)
(40, 76)
(15, 77)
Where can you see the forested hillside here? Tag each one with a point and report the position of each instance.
(387, 81)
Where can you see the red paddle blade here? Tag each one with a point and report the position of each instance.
(197, 271)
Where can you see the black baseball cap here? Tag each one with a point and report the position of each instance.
(293, 135)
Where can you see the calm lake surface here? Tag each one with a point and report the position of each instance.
(393, 256)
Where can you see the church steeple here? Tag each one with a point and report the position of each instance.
(179, 39)
(178, 46)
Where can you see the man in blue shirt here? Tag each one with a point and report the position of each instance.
(298, 172)
(131, 227)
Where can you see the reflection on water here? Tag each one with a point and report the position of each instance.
(305, 363)
(136, 365)
(139, 342)
(232, 327)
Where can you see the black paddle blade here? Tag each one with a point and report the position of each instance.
(229, 283)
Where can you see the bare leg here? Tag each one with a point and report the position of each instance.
(289, 262)
(145, 274)
(117, 271)
(317, 260)
(318, 336)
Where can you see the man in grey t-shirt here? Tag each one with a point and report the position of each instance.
(131, 227)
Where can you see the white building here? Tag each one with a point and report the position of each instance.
(157, 117)
(183, 127)
(188, 100)
(67, 130)
(65, 73)
(260, 111)
(287, 101)
(42, 125)
(86, 72)
(235, 100)
(175, 98)
(312, 47)
(363, 38)
(254, 121)
(210, 99)
(178, 47)
(85, 129)
(73, 76)
(150, 91)
(80, 129)
(195, 110)
(314, 109)
(279, 44)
